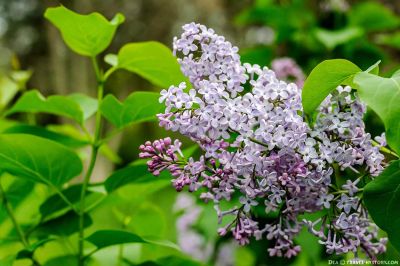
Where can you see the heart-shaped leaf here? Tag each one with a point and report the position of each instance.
(138, 107)
(87, 35)
(153, 61)
(324, 78)
(382, 199)
(383, 96)
(38, 159)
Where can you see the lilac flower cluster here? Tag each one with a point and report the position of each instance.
(258, 145)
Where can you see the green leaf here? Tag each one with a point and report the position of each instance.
(55, 206)
(330, 39)
(8, 89)
(373, 16)
(110, 154)
(64, 225)
(374, 69)
(76, 106)
(153, 61)
(324, 78)
(383, 96)
(132, 174)
(382, 199)
(88, 105)
(55, 203)
(87, 35)
(138, 107)
(48, 134)
(18, 190)
(21, 77)
(38, 159)
(106, 238)
(111, 59)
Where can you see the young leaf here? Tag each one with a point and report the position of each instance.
(75, 106)
(382, 199)
(106, 238)
(324, 78)
(87, 104)
(138, 107)
(8, 89)
(38, 159)
(111, 59)
(383, 96)
(87, 35)
(153, 61)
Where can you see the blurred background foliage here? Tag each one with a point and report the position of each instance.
(34, 56)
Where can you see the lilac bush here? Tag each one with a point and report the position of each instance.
(259, 151)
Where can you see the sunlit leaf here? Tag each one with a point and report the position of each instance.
(111, 59)
(383, 96)
(138, 107)
(8, 89)
(153, 61)
(87, 35)
(324, 78)
(87, 104)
